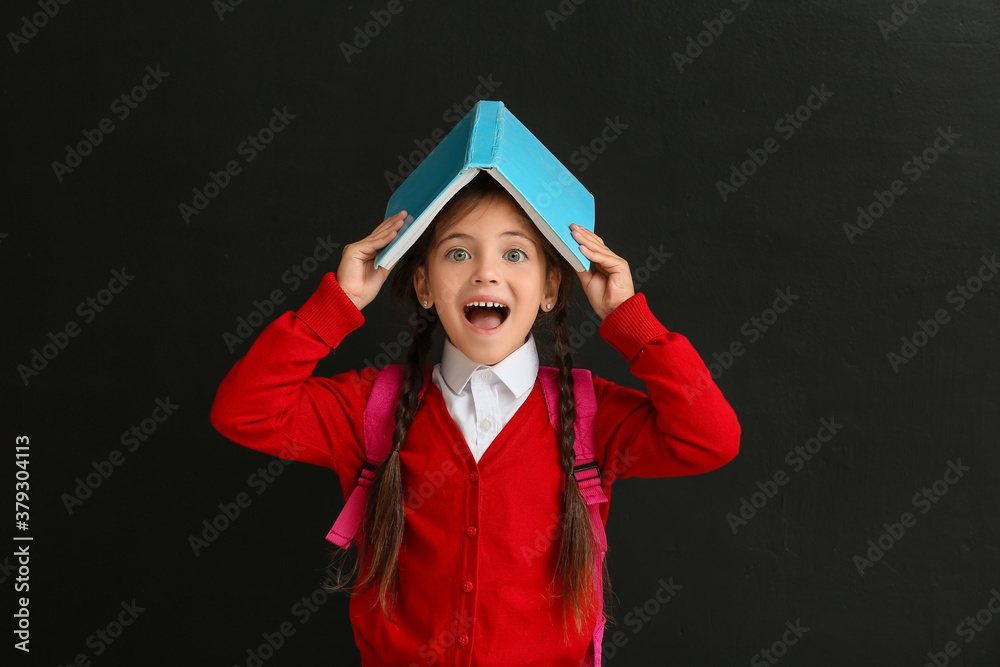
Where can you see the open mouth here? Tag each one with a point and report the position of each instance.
(486, 315)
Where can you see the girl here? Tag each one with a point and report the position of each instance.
(488, 566)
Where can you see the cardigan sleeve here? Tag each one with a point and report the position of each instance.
(269, 402)
(684, 426)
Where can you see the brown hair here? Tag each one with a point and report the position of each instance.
(384, 516)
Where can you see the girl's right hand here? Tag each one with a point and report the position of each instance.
(357, 274)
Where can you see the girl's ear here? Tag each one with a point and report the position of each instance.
(552, 281)
(420, 283)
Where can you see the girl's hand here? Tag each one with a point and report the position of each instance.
(357, 274)
(609, 281)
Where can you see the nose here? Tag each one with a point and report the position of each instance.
(486, 270)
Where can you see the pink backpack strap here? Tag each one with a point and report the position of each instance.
(379, 422)
(587, 473)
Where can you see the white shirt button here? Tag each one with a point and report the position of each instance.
(486, 376)
(485, 425)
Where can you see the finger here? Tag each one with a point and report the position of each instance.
(591, 248)
(596, 263)
(390, 222)
(368, 247)
(594, 246)
(588, 234)
(592, 253)
(609, 268)
(609, 260)
(376, 243)
(603, 250)
(604, 256)
(386, 231)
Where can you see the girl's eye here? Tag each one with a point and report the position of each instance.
(459, 255)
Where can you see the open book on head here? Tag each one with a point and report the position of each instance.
(490, 139)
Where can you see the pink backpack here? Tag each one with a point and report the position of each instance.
(379, 422)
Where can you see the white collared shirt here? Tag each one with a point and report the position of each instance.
(482, 399)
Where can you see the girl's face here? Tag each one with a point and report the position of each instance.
(491, 254)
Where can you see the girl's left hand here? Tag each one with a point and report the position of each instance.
(609, 281)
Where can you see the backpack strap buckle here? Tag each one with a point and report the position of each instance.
(349, 521)
(585, 466)
(370, 467)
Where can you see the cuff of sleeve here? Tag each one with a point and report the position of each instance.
(630, 326)
(330, 312)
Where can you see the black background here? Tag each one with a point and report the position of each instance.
(655, 186)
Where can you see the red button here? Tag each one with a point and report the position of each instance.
(463, 640)
(467, 586)
(473, 476)
(471, 531)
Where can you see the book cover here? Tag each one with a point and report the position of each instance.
(491, 139)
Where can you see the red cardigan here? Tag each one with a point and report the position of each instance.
(479, 549)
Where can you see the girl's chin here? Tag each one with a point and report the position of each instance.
(485, 340)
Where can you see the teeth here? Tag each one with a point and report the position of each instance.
(485, 304)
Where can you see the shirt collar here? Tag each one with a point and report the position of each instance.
(518, 370)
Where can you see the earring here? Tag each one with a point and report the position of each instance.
(425, 303)
(548, 305)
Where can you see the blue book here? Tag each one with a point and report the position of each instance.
(489, 138)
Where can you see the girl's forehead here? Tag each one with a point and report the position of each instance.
(489, 218)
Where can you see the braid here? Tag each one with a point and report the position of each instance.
(578, 546)
(384, 517)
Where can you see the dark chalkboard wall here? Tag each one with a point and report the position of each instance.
(806, 190)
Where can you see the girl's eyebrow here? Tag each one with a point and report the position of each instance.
(466, 237)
